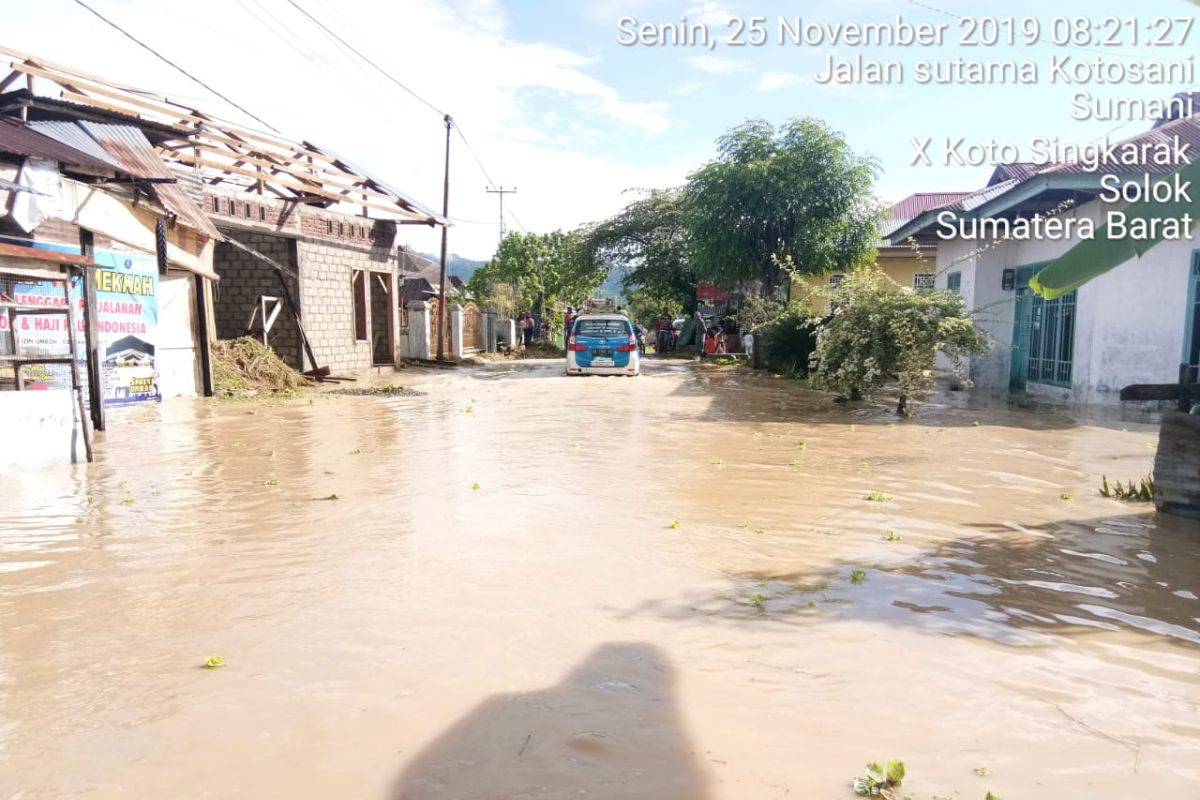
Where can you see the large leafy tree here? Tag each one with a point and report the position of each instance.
(533, 271)
(796, 196)
(646, 243)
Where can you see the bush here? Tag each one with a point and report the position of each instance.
(789, 341)
(876, 334)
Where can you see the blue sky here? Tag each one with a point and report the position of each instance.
(548, 99)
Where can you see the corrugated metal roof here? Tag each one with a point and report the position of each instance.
(130, 148)
(19, 139)
(1186, 130)
(916, 204)
(126, 149)
(70, 134)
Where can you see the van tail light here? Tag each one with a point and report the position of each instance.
(630, 347)
(575, 348)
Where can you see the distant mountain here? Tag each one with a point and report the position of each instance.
(456, 265)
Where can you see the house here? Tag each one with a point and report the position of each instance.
(909, 265)
(287, 219)
(1134, 324)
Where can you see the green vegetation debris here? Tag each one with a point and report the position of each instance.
(270, 482)
(991, 796)
(674, 524)
(892, 536)
(857, 576)
(880, 783)
(128, 501)
(377, 391)
(1141, 492)
(801, 444)
(879, 497)
(796, 462)
(982, 772)
(1066, 497)
(759, 601)
(214, 662)
(474, 487)
(245, 367)
(355, 451)
(468, 409)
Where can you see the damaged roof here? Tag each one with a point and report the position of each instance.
(234, 156)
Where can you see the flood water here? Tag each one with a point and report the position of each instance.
(499, 603)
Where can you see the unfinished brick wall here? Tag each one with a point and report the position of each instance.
(244, 279)
(328, 301)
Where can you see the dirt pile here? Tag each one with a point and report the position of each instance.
(246, 366)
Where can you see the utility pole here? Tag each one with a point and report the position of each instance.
(501, 191)
(441, 326)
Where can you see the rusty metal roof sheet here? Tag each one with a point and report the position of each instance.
(17, 138)
(127, 149)
(917, 204)
(1186, 130)
(74, 136)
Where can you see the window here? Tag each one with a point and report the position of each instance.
(248, 211)
(262, 213)
(358, 288)
(329, 226)
(233, 208)
(954, 282)
(216, 205)
(924, 281)
(341, 229)
(1052, 340)
(603, 328)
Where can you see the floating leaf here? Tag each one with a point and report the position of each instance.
(270, 482)
(355, 451)
(857, 576)
(879, 497)
(474, 487)
(674, 524)
(895, 772)
(214, 662)
(1065, 497)
(128, 501)
(982, 772)
(892, 536)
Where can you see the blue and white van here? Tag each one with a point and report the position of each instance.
(602, 344)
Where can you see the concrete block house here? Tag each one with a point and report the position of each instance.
(1134, 324)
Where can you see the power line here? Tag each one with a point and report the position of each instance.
(471, 150)
(171, 63)
(358, 53)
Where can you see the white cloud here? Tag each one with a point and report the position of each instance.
(774, 81)
(686, 88)
(717, 65)
(528, 108)
(714, 15)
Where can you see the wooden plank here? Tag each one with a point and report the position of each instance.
(282, 181)
(38, 254)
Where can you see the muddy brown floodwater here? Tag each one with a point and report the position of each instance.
(552, 633)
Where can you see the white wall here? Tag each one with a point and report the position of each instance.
(1129, 322)
(39, 428)
(175, 354)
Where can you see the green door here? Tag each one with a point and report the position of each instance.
(1022, 330)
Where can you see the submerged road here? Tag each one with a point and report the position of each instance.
(523, 585)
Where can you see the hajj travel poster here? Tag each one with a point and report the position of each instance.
(126, 321)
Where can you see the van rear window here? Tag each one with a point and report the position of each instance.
(602, 327)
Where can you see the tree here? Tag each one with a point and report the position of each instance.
(876, 333)
(799, 192)
(646, 242)
(539, 270)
